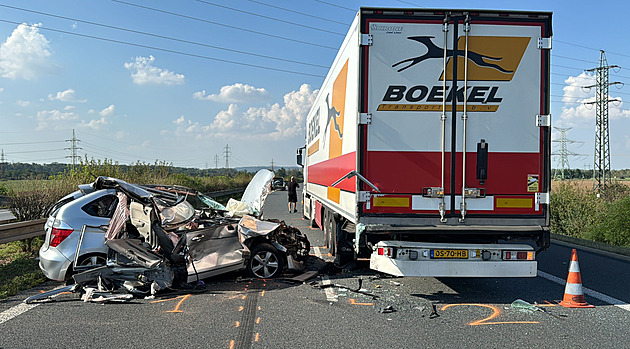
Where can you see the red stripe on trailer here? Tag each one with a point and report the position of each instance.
(409, 172)
(329, 171)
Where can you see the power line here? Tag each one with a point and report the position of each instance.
(164, 37)
(23, 143)
(170, 51)
(297, 12)
(223, 25)
(335, 5)
(270, 18)
(590, 48)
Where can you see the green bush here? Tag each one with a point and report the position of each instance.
(574, 209)
(614, 226)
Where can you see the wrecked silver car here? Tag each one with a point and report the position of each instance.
(156, 240)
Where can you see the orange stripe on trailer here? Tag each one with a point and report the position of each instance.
(334, 194)
(514, 202)
(382, 201)
(313, 148)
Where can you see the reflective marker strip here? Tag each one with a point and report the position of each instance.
(602, 297)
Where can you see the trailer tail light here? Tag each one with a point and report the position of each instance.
(58, 235)
(518, 255)
(386, 251)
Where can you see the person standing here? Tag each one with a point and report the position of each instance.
(291, 190)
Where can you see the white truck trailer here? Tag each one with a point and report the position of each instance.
(428, 147)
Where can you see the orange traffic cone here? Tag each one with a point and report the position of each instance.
(573, 294)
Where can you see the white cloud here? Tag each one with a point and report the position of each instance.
(54, 119)
(95, 124)
(109, 111)
(143, 73)
(236, 93)
(579, 108)
(271, 122)
(69, 107)
(180, 120)
(22, 103)
(25, 54)
(1, 89)
(68, 95)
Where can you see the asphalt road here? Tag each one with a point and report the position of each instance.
(238, 312)
(6, 215)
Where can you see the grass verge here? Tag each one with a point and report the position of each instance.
(18, 268)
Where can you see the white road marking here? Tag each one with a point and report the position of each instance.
(20, 309)
(587, 291)
(331, 295)
(15, 311)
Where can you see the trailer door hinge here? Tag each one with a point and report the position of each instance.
(544, 43)
(543, 120)
(365, 40)
(364, 196)
(365, 118)
(542, 198)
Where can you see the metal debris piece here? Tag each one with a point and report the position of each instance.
(386, 310)
(434, 314)
(303, 277)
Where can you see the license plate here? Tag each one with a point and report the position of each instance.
(457, 254)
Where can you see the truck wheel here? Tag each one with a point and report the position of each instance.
(266, 262)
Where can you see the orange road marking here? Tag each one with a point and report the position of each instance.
(245, 296)
(232, 344)
(258, 320)
(176, 310)
(238, 324)
(240, 308)
(495, 312)
(353, 302)
(329, 255)
(257, 337)
(259, 307)
(262, 294)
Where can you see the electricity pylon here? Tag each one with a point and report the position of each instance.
(601, 166)
(562, 164)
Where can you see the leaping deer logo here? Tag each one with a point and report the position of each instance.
(433, 51)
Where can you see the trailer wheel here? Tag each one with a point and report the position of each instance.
(331, 235)
(325, 229)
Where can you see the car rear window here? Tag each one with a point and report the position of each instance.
(101, 207)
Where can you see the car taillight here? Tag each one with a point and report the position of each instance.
(58, 235)
(518, 255)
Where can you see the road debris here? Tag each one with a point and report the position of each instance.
(386, 310)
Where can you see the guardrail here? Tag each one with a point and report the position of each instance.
(226, 192)
(21, 230)
(24, 230)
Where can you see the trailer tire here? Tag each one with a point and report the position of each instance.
(326, 228)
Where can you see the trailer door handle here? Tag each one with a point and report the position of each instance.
(482, 161)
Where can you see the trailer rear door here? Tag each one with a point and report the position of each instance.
(412, 151)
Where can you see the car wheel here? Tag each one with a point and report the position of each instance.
(265, 262)
(92, 260)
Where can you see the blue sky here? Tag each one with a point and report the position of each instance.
(177, 81)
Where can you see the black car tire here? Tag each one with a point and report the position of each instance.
(265, 262)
